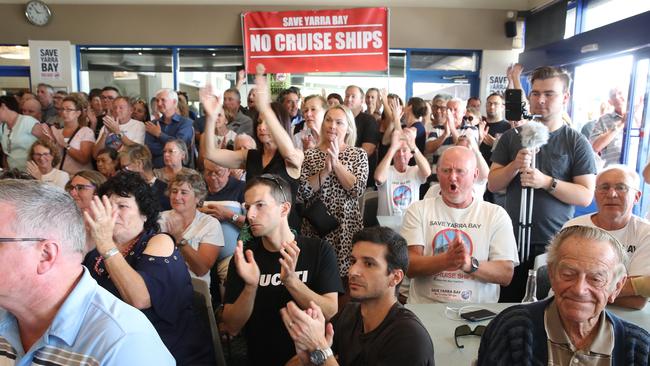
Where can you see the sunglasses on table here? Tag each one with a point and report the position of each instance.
(465, 330)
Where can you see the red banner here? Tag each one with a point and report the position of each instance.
(317, 40)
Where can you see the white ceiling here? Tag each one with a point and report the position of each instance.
(470, 4)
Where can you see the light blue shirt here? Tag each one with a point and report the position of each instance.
(20, 139)
(92, 327)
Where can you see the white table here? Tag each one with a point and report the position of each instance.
(393, 222)
(441, 329)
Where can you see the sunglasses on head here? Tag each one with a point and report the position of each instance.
(465, 330)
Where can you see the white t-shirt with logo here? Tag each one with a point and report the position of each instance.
(133, 129)
(487, 233)
(398, 191)
(203, 229)
(635, 236)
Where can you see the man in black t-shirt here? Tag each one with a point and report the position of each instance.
(496, 126)
(358, 335)
(367, 129)
(276, 267)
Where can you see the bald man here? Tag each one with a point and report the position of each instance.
(460, 249)
(32, 107)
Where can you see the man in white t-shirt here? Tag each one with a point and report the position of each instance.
(460, 248)
(617, 191)
(121, 129)
(399, 184)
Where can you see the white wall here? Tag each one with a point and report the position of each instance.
(495, 62)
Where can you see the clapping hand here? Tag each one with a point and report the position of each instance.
(152, 128)
(101, 222)
(246, 266)
(457, 255)
(112, 125)
(289, 253)
(32, 169)
(307, 328)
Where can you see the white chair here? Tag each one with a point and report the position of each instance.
(543, 282)
(201, 288)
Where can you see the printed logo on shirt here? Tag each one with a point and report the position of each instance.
(442, 239)
(402, 196)
(274, 279)
(631, 249)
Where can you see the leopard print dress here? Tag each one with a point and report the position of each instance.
(341, 203)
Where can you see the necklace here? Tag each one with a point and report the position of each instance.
(124, 252)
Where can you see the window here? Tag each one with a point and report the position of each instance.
(427, 60)
(598, 13)
(136, 72)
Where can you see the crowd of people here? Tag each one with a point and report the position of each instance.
(262, 203)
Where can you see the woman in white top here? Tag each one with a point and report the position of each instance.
(198, 236)
(174, 155)
(45, 157)
(17, 133)
(313, 110)
(75, 139)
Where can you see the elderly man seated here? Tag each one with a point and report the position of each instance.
(587, 270)
(52, 312)
(616, 194)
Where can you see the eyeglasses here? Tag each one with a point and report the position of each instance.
(78, 187)
(41, 155)
(69, 109)
(465, 330)
(441, 107)
(169, 151)
(275, 180)
(19, 240)
(619, 188)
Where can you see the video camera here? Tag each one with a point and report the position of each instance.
(515, 106)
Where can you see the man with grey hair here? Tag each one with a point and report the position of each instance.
(45, 95)
(587, 271)
(171, 125)
(51, 310)
(439, 137)
(617, 191)
(237, 120)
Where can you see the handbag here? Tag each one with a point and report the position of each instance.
(318, 215)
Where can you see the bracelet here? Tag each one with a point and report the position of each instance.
(111, 252)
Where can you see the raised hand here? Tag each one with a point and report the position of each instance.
(262, 93)
(396, 108)
(333, 153)
(246, 266)
(212, 104)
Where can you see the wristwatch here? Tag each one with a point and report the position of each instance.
(319, 356)
(553, 186)
(182, 243)
(474, 266)
(119, 135)
(234, 218)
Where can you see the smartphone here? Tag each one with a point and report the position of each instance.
(514, 106)
(478, 315)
